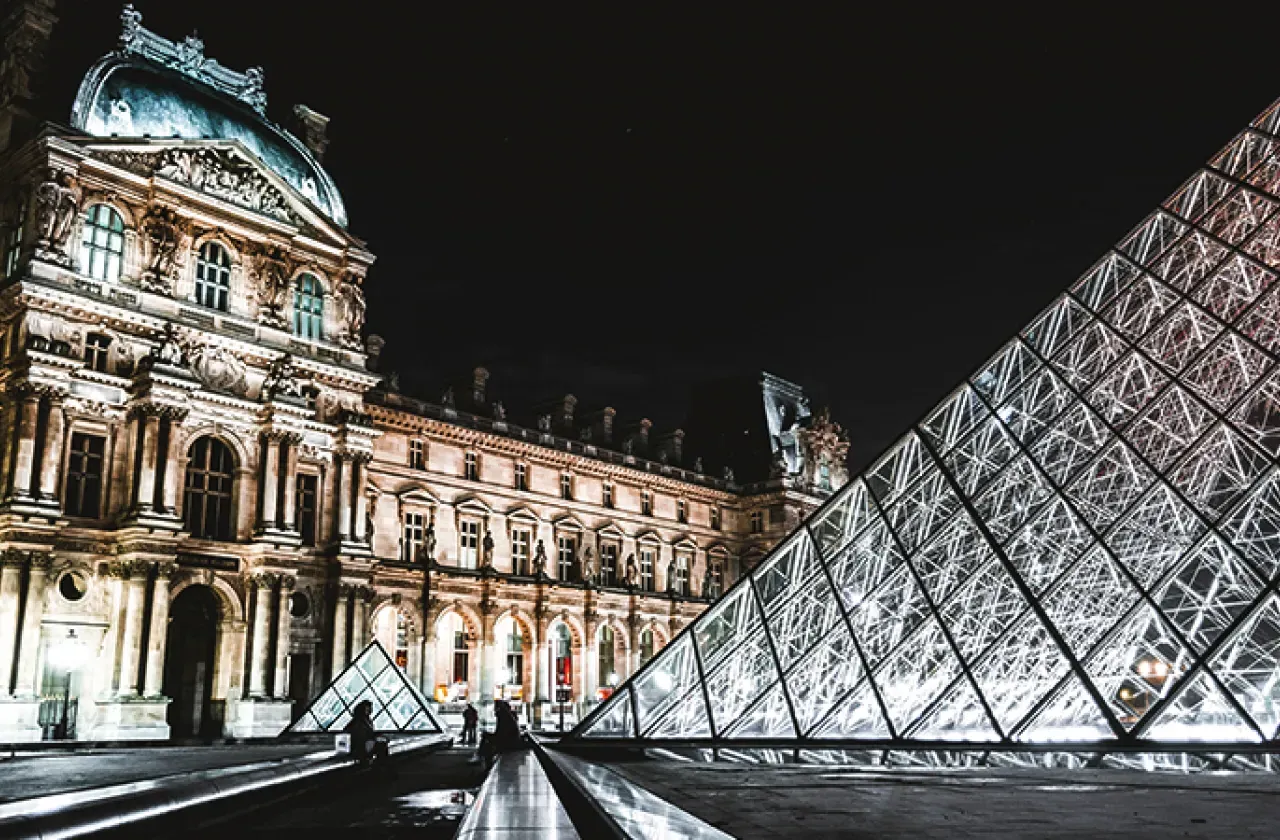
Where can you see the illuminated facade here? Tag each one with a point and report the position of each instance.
(211, 500)
(1080, 544)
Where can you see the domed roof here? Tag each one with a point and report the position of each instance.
(151, 87)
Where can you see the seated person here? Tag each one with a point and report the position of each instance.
(366, 745)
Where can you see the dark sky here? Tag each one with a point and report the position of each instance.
(623, 205)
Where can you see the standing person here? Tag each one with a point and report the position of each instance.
(366, 745)
(506, 735)
(470, 720)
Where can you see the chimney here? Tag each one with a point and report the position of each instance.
(566, 413)
(314, 128)
(672, 445)
(479, 378)
(27, 26)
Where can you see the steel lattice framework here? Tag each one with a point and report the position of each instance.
(1080, 544)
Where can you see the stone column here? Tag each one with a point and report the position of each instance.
(158, 632)
(542, 662)
(146, 479)
(360, 597)
(270, 488)
(342, 487)
(131, 632)
(51, 457)
(428, 684)
(28, 403)
(341, 605)
(260, 650)
(284, 623)
(173, 472)
(488, 655)
(289, 448)
(10, 597)
(591, 653)
(633, 644)
(360, 484)
(33, 614)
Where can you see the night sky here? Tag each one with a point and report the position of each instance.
(625, 205)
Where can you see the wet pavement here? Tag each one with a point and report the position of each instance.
(891, 803)
(425, 799)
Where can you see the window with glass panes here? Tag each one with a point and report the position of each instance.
(648, 557)
(646, 646)
(402, 641)
(102, 243)
(521, 540)
(757, 522)
(646, 503)
(417, 454)
(607, 494)
(461, 658)
(566, 486)
(83, 496)
(681, 583)
(682, 510)
(471, 467)
(308, 489)
(609, 564)
(607, 650)
(515, 656)
(567, 557)
(715, 518)
(415, 529)
(308, 307)
(213, 276)
(208, 497)
(96, 346)
(468, 543)
(13, 242)
(522, 477)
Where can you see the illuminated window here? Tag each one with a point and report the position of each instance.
(609, 564)
(95, 351)
(646, 646)
(567, 557)
(607, 648)
(417, 454)
(681, 583)
(648, 557)
(102, 245)
(213, 276)
(468, 543)
(515, 656)
(521, 540)
(308, 307)
(415, 529)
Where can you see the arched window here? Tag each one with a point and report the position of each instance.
(213, 276)
(607, 668)
(646, 646)
(207, 501)
(102, 247)
(308, 307)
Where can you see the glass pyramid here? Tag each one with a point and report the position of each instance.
(1081, 543)
(397, 705)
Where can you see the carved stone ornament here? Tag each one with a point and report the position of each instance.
(351, 311)
(429, 541)
(540, 559)
(172, 351)
(218, 172)
(283, 379)
(220, 369)
(499, 411)
(825, 448)
(271, 279)
(587, 569)
(57, 201)
(162, 230)
(487, 547)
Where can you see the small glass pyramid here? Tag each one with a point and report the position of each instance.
(1080, 544)
(397, 705)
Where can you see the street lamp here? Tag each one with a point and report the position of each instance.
(67, 655)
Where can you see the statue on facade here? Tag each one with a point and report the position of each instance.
(282, 379)
(499, 411)
(487, 547)
(446, 399)
(351, 309)
(709, 583)
(671, 575)
(540, 560)
(728, 474)
(633, 572)
(544, 423)
(587, 566)
(162, 229)
(778, 467)
(271, 274)
(57, 201)
(429, 543)
(697, 465)
(627, 446)
(170, 351)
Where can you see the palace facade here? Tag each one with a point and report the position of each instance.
(212, 500)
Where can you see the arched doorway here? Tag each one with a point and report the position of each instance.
(190, 650)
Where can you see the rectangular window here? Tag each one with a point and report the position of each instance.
(715, 518)
(681, 583)
(461, 661)
(84, 475)
(648, 557)
(417, 454)
(682, 511)
(13, 243)
(646, 502)
(521, 539)
(308, 492)
(471, 467)
(566, 486)
(95, 351)
(414, 538)
(757, 522)
(568, 557)
(515, 659)
(607, 495)
(609, 564)
(522, 477)
(468, 543)
(716, 579)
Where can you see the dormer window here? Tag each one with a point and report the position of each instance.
(213, 276)
(102, 245)
(95, 351)
(308, 307)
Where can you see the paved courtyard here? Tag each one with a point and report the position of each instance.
(882, 803)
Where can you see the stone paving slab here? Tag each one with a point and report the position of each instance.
(889, 803)
(27, 775)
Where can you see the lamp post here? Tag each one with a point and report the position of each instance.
(67, 655)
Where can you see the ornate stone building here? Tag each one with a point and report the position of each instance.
(211, 501)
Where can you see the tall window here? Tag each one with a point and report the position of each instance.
(471, 467)
(308, 492)
(402, 641)
(84, 476)
(716, 579)
(461, 658)
(757, 522)
(646, 502)
(681, 583)
(13, 243)
(417, 454)
(522, 477)
(468, 543)
(682, 510)
(646, 646)
(520, 542)
(210, 478)
(609, 564)
(567, 557)
(213, 276)
(607, 499)
(414, 536)
(515, 656)
(715, 518)
(308, 307)
(95, 351)
(566, 486)
(648, 557)
(102, 246)
(563, 656)
(608, 673)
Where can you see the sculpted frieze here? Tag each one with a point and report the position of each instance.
(220, 369)
(163, 231)
(271, 269)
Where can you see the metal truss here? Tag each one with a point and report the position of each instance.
(1080, 545)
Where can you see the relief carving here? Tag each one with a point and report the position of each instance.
(220, 369)
(57, 202)
(162, 230)
(283, 379)
(351, 311)
(271, 281)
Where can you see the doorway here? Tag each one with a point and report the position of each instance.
(189, 662)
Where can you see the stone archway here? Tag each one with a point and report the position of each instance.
(191, 660)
